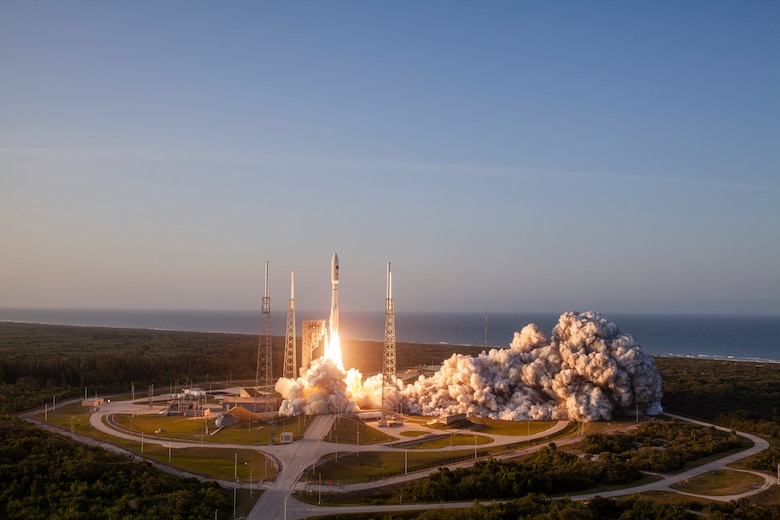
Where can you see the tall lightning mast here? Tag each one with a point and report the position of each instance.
(290, 358)
(264, 375)
(389, 386)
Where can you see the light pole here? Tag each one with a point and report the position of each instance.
(475, 447)
(319, 492)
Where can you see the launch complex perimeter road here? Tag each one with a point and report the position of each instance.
(295, 458)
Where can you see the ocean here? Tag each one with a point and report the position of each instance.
(740, 337)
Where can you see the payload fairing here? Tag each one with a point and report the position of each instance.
(334, 300)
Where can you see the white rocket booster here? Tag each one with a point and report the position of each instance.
(334, 301)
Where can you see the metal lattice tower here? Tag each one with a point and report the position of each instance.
(290, 358)
(264, 375)
(389, 386)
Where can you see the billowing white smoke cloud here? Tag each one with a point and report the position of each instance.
(325, 388)
(321, 390)
(588, 371)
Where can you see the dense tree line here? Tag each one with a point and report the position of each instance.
(536, 507)
(740, 395)
(43, 475)
(539, 508)
(545, 471)
(767, 460)
(681, 442)
(39, 362)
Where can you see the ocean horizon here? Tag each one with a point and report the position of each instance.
(738, 337)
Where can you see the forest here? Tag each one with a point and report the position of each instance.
(621, 459)
(43, 475)
(744, 396)
(537, 507)
(547, 471)
(682, 442)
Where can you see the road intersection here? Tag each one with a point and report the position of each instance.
(295, 458)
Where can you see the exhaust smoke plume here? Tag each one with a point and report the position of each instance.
(587, 371)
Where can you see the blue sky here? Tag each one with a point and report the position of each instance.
(509, 156)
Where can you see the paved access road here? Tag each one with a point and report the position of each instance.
(298, 510)
(296, 457)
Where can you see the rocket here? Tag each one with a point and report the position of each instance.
(334, 301)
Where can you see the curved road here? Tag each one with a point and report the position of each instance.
(295, 458)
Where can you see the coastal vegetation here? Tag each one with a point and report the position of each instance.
(536, 507)
(42, 364)
(680, 442)
(44, 475)
(546, 471)
(744, 396)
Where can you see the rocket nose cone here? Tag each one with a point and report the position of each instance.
(334, 268)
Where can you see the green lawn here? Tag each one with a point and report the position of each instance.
(350, 430)
(453, 439)
(209, 461)
(196, 428)
(369, 464)
(216, 463)
(720, 483)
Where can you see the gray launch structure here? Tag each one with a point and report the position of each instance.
(390, 398)
(264, 374)
(290, 356)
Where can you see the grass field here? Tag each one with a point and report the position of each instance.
(349, 430)
(201, 430)
(208, 461)
(413, 433)
(720, 483)
(451, 440)
(369, 464)
(216, 463)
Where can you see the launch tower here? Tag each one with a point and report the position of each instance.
(264, 376)
(390, 402)
(290, 359)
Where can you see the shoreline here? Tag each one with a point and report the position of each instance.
(441, 344)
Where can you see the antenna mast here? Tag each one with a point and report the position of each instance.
(290, 358)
